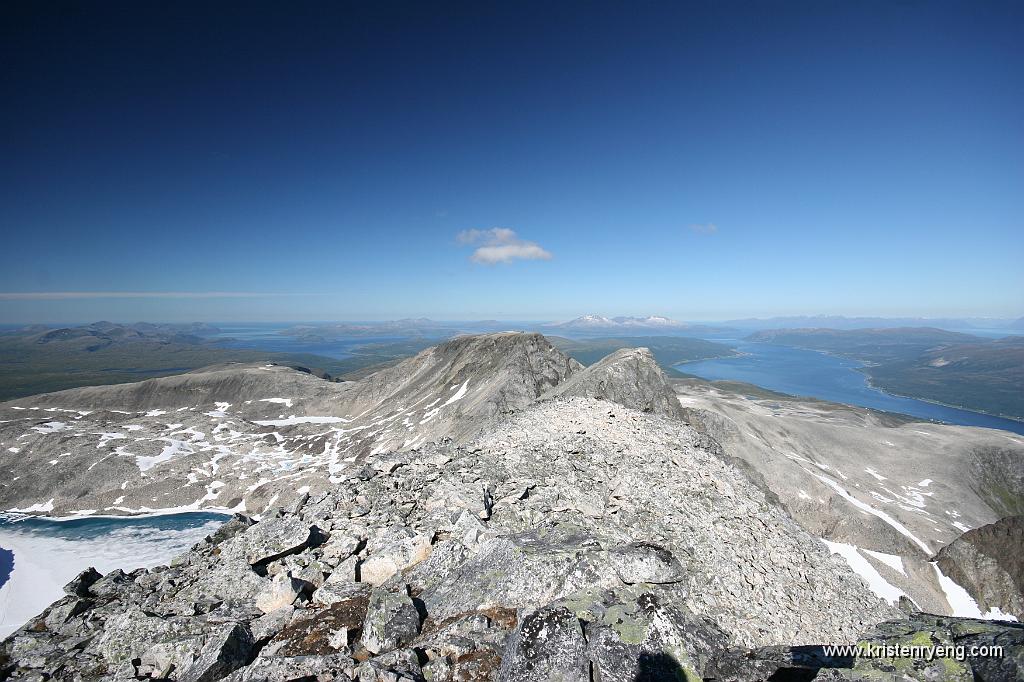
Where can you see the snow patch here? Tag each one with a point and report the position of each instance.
(287, 402)
(458, 394)
(862, 567)
(961, 602)
(51, 427)
(875, 512)
(893, 561)
(301, 420)
(37, 507)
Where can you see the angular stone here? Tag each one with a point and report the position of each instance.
(228, 648)
(80, 584)
(283, 591)
(339, 547)
(269, 624)
(163, 658)
(392, 621)
(547, 645)
(401, 552)
(62, 611)
(338, 590)
(274, 538)
(644, 562)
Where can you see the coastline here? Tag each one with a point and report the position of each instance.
(868, 380)
(861, 366)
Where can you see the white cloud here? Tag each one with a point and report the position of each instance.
(501, 245)
(706, 228)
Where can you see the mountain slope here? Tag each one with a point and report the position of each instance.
(46, 360)
(630, 377)
(569, 539)
(245, 436)
(886, 491)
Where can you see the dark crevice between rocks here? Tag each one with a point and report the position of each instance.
(316, 538)
(658, 667)
(794, 674)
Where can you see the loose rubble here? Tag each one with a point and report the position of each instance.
(576, 535)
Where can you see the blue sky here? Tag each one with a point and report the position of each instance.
(700, 160)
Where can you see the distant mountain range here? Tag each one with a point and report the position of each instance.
(842, 322)
(650, 325)
(601, 322)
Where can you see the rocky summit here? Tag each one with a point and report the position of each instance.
(541, 521)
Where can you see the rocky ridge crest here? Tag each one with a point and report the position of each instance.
(578, 535)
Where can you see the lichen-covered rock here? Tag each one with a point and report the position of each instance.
(334, 591)
(625, 532)
(80, 584)
(396, 550)
(948, 649)
(227, 649)
(271, 539)
(282, 591)
(392, 621)
(548, 645)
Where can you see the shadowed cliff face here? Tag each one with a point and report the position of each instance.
(989, 563)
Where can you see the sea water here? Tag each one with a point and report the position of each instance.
(812, 374)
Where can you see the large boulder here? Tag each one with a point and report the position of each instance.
(548, 645)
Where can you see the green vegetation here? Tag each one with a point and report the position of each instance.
(667, 350)
(986, 376)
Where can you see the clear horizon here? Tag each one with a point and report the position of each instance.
(525, 320)
(703, 161)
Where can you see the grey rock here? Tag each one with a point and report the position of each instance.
(273, 538)
(395, 666)
(399, 549)
(80, 584)
(62, 611)
(335, 591)
(630, 377)
(269, 624)
(293, 668)
(547, 645)
(392, 621)
(989, 563)
(644, 562)
(228, 648)
(339, 547)
(282, 591)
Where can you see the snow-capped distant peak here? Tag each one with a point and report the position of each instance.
(651, 321)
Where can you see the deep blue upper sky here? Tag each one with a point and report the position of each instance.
(701, 160)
